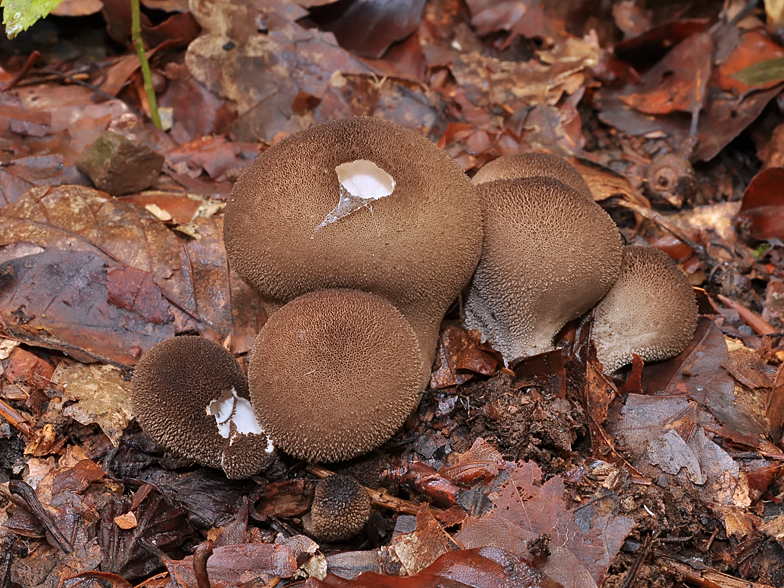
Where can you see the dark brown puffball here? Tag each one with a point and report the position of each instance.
(341, 507)
(173, 389)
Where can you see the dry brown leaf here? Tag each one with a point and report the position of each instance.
(101, 394)
(69, 300)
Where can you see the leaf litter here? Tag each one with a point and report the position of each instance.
(548, 473)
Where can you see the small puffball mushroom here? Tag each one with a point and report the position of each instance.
(341, 507)
(334, 374)
(549, 255)
(651, 311)
(526, 165)
(189, 394)
(357, 203)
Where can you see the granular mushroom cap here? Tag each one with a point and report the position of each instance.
(341, 507)
(417, 247)
(173, 389)
(549, 255)
(526, 165)
(651, 311)
(334, 374)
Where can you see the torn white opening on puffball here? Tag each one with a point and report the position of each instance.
(361, 182)
(230, 408)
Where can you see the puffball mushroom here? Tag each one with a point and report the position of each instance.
(334, 374)
(651, 311)
(190, 395)
(341, 507)
(549, 255)
(526, 165)
(357, 203)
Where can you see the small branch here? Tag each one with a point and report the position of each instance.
(16, 420)
(22, 72)
(200, 557)
(26, 493)
(654, 216)
(757, 323)
(379, 499)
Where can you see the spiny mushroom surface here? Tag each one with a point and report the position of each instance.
(357, 203)
(341, 507)
(526, 165)
(549, 255)
(651, 311)
(190, 395)
(334, 374)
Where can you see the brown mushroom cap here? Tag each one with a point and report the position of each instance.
(341, 507)
(651, 311)
(526, 165)
(549, 255)
(416, 247)
(334, 374)
(175, 392)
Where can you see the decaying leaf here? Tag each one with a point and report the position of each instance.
(113, 280)
(485, 566)
(101, 394)
(583, 546)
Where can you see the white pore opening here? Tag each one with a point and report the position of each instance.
(364, 179)
(230, 408)
(361, 183)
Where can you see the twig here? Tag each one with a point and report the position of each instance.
(16, 420)
(704, 576)
(654, 216)
(631, 576)
(26, 493)
(379, 499)
(200, 557)
(22, 72)
(756, 322)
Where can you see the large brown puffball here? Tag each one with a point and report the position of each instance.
(527, 165)
(334, 374)
(357, 203)
(549, 255)
(651, 311)
(190, 395)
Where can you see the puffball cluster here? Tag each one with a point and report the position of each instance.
(358, 234)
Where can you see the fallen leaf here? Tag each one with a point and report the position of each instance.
(482, 461)
(419, 549)
(63, 300)
(582, 550)
(761, 214)
(101, 396)
(469, 568)
(233, 565)
(678, 82)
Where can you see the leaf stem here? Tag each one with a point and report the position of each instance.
(136, 37)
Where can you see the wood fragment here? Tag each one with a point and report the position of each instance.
(16, 420)
(657, 218)
(200, 557)
(756, 322)
(705, 578)
(26, 493)
(31, 59)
